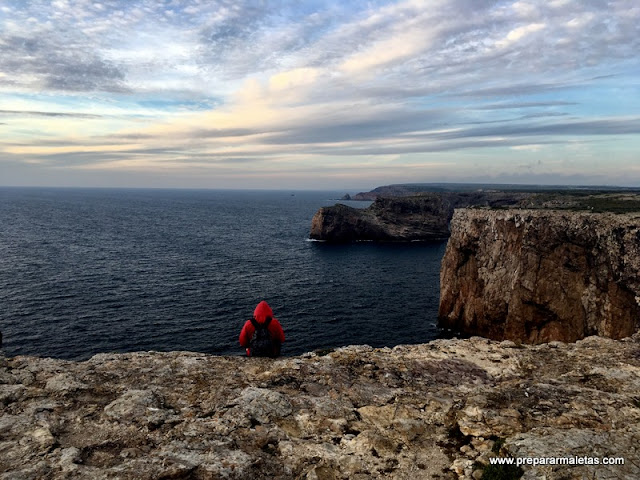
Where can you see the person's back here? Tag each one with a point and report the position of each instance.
(262, 336)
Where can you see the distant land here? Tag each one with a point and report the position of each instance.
(409, 189)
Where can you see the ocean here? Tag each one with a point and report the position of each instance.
(85, 271)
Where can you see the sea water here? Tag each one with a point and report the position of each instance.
(84, 271)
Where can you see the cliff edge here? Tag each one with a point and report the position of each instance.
(541, 275)
(438, 410)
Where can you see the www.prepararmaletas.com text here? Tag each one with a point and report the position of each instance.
(536, 461)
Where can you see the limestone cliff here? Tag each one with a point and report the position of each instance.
(387, 219)
(401, 219)
(541, 275)
(439, 410)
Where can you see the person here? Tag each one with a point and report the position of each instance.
(258, 340)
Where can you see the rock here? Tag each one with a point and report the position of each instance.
(63, 383)
(262, 405)
(70, 456)
(541, 275)
(387, 219)
(139, 406)
(43, 437)
(438, 410)
(423, 216)
(10, 393)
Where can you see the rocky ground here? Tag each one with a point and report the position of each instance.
(438, 410)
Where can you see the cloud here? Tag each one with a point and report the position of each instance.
(453, 44)
(212, 83)
(517, 34)
(49, 114)
(519, 105)
(39, 63)
(609, 126)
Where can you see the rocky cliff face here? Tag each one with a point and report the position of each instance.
(387, 219)
(401, 219)
(541, 275)
(439, 410)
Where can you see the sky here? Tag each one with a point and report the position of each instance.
(319, 94)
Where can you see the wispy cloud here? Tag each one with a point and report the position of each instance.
(324, 87)
(48, 114)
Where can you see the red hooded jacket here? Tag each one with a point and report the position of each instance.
(262, 311)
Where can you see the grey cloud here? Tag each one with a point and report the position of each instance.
(53, 142)
(577, 128)
(254, 38)
(224, 132)
(59, 66)
(91, 157)
(215, 160)
(127, 136)
(345, 126)
(49, 114)
(203, 133)
(424, 147)
(86, 75)
(404, 136)
(543, 115)
(468, 59)
(239, 38)
(407, 125)
(517, 105)
(513, 90)
(76, 159)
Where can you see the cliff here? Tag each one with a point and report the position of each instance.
(438, 410)
(387, 219)
(423, 217)
(541, 275)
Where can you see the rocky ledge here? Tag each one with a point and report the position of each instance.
(541, 275)
(438, 410)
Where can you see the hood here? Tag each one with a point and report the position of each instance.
(262, 311)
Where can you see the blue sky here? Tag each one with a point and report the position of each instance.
(317, 94)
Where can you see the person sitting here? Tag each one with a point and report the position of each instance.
(262, 336)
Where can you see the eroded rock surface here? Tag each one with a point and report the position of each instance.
(541, 275)
(438, 410)
(387, 219)
(422, 217)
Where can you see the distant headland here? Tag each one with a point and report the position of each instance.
(410, 189)
(529, 264)
(422, 212)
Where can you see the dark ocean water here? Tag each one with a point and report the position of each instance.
(84, 271)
